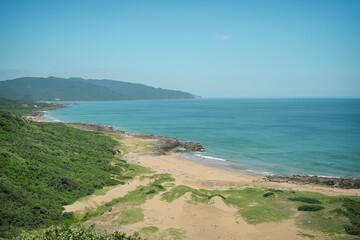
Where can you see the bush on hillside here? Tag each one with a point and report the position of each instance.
(310, 208)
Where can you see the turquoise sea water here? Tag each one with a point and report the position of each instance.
(262, 136)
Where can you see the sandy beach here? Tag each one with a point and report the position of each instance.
(181, 218)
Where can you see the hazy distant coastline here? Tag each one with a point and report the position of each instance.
(78, 89)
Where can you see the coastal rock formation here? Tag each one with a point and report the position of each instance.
(173, 144)
(164, 146)
(346, 183)
(96, 127)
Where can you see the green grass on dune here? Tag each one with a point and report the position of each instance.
(337, 213)
(173, 233)
(129, 216)
(150, 229)
(137, 196)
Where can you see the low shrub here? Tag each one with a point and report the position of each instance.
(310, 208)
(68, 215)
(305, 200)
(352, 230)
(268, 194)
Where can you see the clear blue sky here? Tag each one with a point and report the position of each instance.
(222, 48)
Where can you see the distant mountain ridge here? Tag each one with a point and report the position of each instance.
(78, 89)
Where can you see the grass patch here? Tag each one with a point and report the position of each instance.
(130, 171)
(160, 178)
(328, 221)
(151, 229)
(179, 191)
(130, 216)
(264, 213)
(305, 200)
(140, 194)
(306, 235)
(98, 192)
(175, 193)
(173, 233)
(150, 232)
(310, 208)
(275, 190)
(250, 202)
(254, 208)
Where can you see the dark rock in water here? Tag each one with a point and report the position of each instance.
(346, 183)
(173, 144)
(191, 147)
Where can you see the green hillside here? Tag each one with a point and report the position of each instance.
(21, 107)
(78, 89)
(44, 166)
(135, 91)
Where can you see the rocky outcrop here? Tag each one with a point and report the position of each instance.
(172, 144)
(95, 127)
(346, 183)
(164, 144)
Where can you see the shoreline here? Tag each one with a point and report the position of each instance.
(169, 146)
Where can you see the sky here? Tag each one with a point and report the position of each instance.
(250, 48)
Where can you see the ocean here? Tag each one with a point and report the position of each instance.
(255, 136)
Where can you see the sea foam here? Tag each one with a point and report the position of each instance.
(209, 157)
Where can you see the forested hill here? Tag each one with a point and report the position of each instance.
(78, 89)
(44, 166)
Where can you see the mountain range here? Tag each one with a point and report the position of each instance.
(78, 89)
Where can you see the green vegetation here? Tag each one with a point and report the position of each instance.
(149, 232)
(44, 166)
(180, 190)
(275, 190)
(217, 195)
(268, 194)
(130, 171)
(74, 232)
(327, 220)
(250, 202)
(306, 235)
(129, 216)
(254, 208)
(310, 208)
(173, 233)
(153, 232)
(159, 178)
(138, 196)
(351, 211)
(151, 229)
(25, 107)
(305, 200)
(78, 89)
